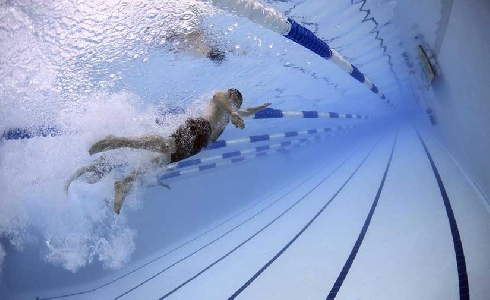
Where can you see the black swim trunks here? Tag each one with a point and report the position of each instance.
(190, 138)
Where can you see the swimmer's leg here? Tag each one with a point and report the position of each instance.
(77, 174)
(123, 187)
(96, 168)
(160, 162)
(147, 142)
(121, 190)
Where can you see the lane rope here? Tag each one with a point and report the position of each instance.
(273, 19)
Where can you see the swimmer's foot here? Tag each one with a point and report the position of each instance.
(67, 185)
(108, 143)
(121, 190)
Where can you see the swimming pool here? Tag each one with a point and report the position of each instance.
(345, 187)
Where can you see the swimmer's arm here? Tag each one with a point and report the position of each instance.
(246, 112)
(222, 102)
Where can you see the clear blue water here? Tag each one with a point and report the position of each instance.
(94, 68)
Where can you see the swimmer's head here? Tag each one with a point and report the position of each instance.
(217, 55)
(235, 97)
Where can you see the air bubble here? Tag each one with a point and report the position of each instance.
(187, 15)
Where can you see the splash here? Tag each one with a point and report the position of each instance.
(61, 64)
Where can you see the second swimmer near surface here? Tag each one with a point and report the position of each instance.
(189, 139)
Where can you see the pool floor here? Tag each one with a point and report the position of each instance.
(399, 234)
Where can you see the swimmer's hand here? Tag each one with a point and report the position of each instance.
(249, 111)
(237, 120)
(263, 106)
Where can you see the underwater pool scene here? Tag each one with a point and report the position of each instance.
(244, 149)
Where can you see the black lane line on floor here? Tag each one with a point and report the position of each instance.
(348, 264)
(257, 274)
(169, 252)
(464, 288)
(182, 245)
(226, 233)
(263, 228)
(186, 243)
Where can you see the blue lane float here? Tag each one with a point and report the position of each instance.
(273, 19)
(237, 153)
(233, 155)
(270, 113)
(238, 156)
(203, 164)
(267, 137)
(18, 133)
(174, 174)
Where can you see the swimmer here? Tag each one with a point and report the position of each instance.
(188, 140)
(195, 39)
(196, 42)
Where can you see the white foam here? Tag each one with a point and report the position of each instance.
(80, 227)
(59, 70)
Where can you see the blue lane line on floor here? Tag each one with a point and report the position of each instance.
(348, 264)
(259, 272)
(464, 288)
(292, 190)
(263, 228)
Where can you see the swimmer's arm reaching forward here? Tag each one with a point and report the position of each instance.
(246, 112)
